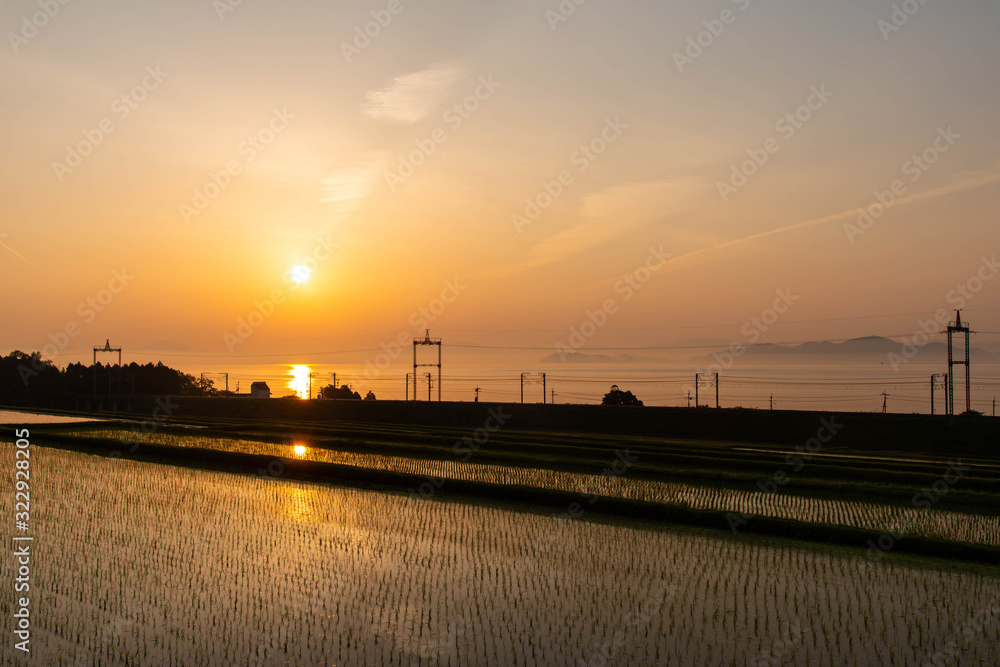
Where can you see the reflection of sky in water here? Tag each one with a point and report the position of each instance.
(976, 528)
(298, 502)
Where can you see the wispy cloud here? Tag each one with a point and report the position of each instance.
(407, 99)
(961, 183)
(610, 214)
(345, 189)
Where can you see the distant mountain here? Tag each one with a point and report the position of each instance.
(707, 343)
(584, 358)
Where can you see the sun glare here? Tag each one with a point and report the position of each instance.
(299, 450)
(300, 273)
(300, 380)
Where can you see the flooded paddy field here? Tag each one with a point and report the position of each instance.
(140, 563)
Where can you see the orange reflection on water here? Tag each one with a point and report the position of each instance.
(300, 380)
(298, 503)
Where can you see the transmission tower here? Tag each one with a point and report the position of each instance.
(957, 327)
(107, 348)
(426, 340)
(531, 381)
(710, 379)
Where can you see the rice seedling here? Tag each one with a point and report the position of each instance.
(153, 564)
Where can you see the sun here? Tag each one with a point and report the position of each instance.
(300, 273)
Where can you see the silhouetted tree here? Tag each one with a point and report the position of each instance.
(342, 394)
(27, 379)
(618, 397)
(370, 396)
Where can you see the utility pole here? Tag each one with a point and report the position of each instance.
(772, 401)
(227, 384)
(543, 388)
(554, 401)
(697, 379)
(994, 406)
(939, 381)
(477, 394)
(522, 388)
(689, 397)
(407, 383)
(885, 402)
(430, 385)
(716, 391)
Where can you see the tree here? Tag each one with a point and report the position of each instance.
(342, 394)
(618, 397)
(370, 396)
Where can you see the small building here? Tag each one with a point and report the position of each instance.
(260, 390)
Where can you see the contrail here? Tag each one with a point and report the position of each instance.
(971, 182)
(16, 253)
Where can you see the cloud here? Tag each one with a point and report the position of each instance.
(407, 99)
(345, 189)
(609, 214)
(961, 183)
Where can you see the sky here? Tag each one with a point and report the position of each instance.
(498, 172)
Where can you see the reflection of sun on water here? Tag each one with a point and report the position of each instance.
(298, 503)
(300, 380)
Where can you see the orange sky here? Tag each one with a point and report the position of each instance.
(312, 148)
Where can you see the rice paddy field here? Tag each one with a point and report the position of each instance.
(141, 563)
(903, 520)
(216, 543)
